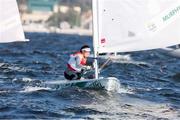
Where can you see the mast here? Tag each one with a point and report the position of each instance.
(95, 35)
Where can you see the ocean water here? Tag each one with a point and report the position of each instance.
(150, 83)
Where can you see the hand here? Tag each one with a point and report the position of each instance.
(88, 67)
(85, 69)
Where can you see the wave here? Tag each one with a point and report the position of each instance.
(28, 89)
(176, 77)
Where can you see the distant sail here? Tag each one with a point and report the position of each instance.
(10, 24)
(134, 25)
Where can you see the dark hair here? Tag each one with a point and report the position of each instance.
(84, 46)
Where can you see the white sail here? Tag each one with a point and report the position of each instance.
(10, 24)
(133, 25)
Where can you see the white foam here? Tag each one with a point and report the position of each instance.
(32, 89)
(23, 80)
(27, 79)
(121, 57)
(114, 85)
(4, 91)
(1, 64)
(132, 62)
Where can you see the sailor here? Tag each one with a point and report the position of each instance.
(76, 65)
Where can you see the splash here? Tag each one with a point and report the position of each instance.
(33, 89)
(114, 85)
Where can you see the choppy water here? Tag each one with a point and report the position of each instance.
(150, 83)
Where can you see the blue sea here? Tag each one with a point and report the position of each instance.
(149, 80)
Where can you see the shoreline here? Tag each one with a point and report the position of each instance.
(77, 31)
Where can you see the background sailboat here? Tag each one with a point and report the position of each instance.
(10, 24)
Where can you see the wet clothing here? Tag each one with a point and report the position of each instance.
(74, 70)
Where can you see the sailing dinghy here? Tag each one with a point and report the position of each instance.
(127, 26)
(10, 24)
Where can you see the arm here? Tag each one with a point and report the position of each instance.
(73, 62)
(78, 62)
(85, 67)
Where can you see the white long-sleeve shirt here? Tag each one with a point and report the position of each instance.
(76, 62)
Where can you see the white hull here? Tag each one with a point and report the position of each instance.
(171, 52)
(109, 84)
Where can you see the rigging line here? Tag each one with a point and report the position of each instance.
(105, 63)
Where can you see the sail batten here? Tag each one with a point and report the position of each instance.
(10, 24)
(135, 25)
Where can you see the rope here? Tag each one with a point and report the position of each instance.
(105, 63)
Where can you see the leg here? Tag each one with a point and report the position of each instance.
(67, 76)
(72, 75)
